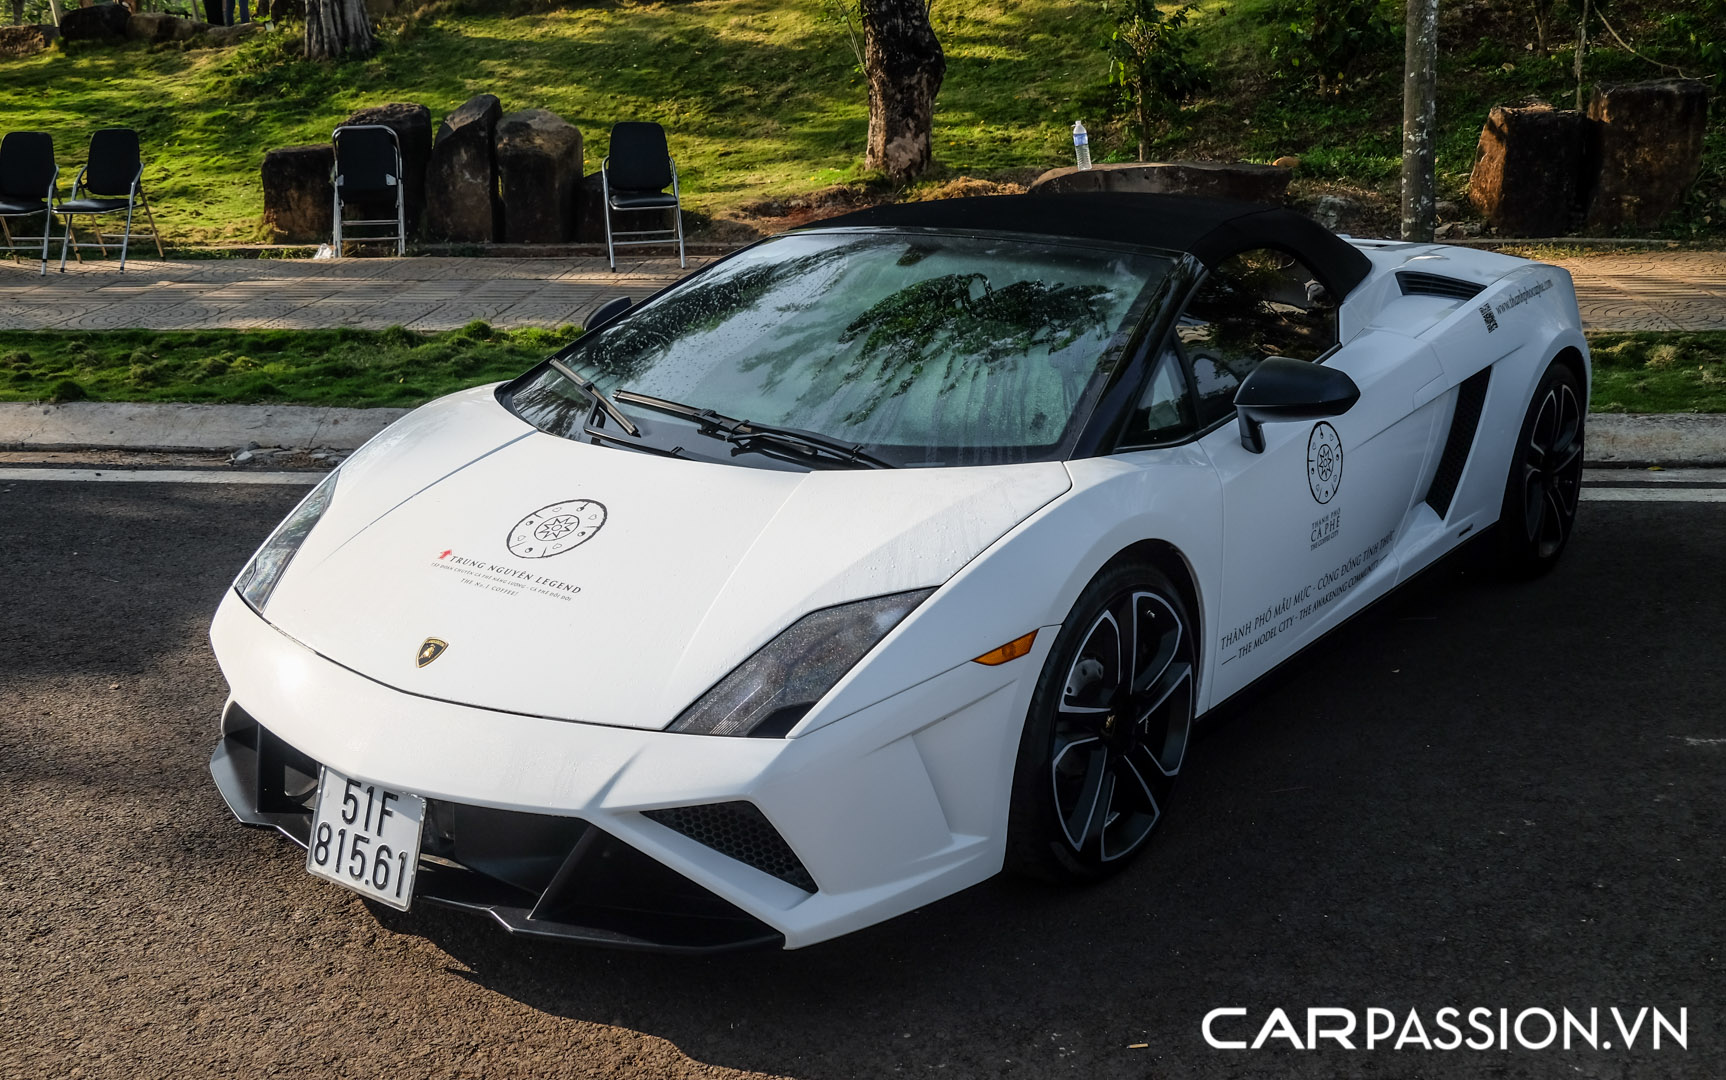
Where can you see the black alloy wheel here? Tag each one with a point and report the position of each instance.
(1545, 480)
(1107, 729)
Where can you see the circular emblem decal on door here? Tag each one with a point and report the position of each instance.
(1323, 462)
(553, 530)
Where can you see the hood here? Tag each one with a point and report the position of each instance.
(603, 585)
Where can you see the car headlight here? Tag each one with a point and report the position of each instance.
(258, 580)
(769, 692)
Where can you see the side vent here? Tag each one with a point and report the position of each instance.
(742, 831)
(1415, 283)
(1470, 398)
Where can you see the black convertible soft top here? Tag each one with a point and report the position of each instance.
(1210, 229)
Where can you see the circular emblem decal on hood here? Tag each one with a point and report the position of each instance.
(553, 530)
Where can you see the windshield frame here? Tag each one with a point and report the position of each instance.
(1113, 364)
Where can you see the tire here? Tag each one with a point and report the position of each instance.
(1545, 480)
(1091, 785)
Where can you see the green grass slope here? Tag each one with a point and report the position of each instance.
(762, 97)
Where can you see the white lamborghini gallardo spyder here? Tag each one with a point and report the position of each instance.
(876, 557)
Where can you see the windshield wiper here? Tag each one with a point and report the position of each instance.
(742, 432)
(586, 386)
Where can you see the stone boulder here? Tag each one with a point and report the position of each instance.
(1646, 143)
(156, 26)
(25, 40)
(412, 125)
(223, 36)
(461, 181)
(539, 161)
(1212, 179)
(590, 211)
(1528, 169)
(98, 22)
(299, 199)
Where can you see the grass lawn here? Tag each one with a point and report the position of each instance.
(1635, 373)
(762, 98)
(307, 367)
(1654, 373)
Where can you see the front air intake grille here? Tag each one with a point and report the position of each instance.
(1415, 283)
(741, 831)
(1470, 397)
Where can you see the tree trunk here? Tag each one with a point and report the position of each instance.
(904, 65)
(17, 12)
(54, 10)
(1419, 118)
(338, 28)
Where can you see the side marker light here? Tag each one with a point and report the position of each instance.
(1011, 651)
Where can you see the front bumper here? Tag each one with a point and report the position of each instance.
(643, 838)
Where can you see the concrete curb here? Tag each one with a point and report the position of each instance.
(91, 425)
(1693, 439)
(1667, 439)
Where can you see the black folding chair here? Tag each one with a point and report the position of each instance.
(28, 178)
(368, 171)
(114, 166)
(633, 179)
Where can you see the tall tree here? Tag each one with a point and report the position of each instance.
(904, 64)
(338, 28)
(1419, 118)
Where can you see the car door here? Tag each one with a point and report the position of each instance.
(1310, 522)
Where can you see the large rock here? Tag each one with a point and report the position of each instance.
(590, 211)
(461, 181)
(539, 161)
(25, 40)
(412, 125)
(99, 22)
(1646, 139)
(156, 26)
(1213, 179)
(1528, 169)
(223, 36)
(298, 196)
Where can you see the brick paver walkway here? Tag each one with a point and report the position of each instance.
(1679, 290)
(303, 294)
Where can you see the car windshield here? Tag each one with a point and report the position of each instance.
(919, 348)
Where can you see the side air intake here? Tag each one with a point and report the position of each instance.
(1415, 283)
(741, 831)
(1470, 398)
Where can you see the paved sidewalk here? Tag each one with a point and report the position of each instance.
(306, 294)
(1677, 290)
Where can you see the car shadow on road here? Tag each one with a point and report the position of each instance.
(1436, 806)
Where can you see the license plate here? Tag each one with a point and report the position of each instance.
(366, 837)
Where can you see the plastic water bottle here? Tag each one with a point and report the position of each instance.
(1081, 145)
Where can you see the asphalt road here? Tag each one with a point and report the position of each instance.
(1477, 795)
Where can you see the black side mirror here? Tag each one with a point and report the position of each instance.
(608, 311)
(1284, 389)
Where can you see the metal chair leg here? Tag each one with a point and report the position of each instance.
(47, 230)
(605, 208)
(401, 223)
(65, 245)
(151, 218)
(677, 216)
(126, 237)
